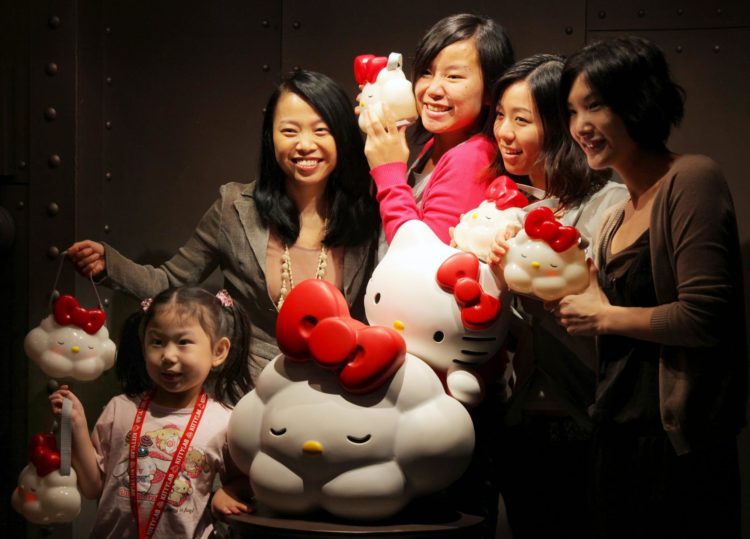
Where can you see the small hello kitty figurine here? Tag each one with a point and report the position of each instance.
(478, 228)
(72, 342)
(383, 81)
(43, 495)
(546, 259)
(344, 419)
(446, 305)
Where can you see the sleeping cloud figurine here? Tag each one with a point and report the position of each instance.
(344, 419)
(383, 81)
(72, 342)
(546, 259)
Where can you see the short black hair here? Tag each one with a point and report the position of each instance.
(631, 76)
(491, 40)
(353, 214)
(567, 175)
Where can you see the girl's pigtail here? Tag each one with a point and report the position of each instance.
(233, 379)
(130, 366)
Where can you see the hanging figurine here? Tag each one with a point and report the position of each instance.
(72, 342)
(383, 81)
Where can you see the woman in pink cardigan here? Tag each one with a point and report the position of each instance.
(456, 63)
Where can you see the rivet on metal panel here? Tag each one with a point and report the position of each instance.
(106, 229)
(569, 30)
(264, 23)
(50, 113)
(108, 80)
(679, 49)
(719, 11)
(717, 49)
(680, 11)
(53, 209)
(108, 124)
(108, 30)
(22, 164)
(106, 302)
(602, 14)
(641, 13)
(295, 68)
(54, 160)
(266, 67)
(54, 22)
(296, 25)
(108, 175)
(51, 69)
(53, 252)
(20, 205)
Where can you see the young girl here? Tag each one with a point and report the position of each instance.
(310, 214)
(456, 63)
(136, 459)
(666, 306)
(548, 437)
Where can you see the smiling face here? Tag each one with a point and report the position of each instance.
(304, 146)
(598, 130)
(179, 356)
(450, 95)
(519, 134)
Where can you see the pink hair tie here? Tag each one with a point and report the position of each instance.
(146, 304)
(224, 297)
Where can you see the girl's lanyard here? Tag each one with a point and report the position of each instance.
(174, 467)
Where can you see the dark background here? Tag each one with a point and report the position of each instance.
(119, 121)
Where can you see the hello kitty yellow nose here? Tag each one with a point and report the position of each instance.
(75, 349)
(398, 325)
(535, 264)
(312, 447)
(475, 215)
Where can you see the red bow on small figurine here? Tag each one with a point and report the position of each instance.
(314, 323)
(68, 311)
(459, 275)
(504, 192)
(367, 67)
(43, 453)
(541, 224)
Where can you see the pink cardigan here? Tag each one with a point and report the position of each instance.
(457, 184)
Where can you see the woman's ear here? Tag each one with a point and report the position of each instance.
(220, 352)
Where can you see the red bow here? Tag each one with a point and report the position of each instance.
(43, 453)
(505, 193)
(367, 67)
(314, 323)
(541, 224)
(459, 275)
(67, 311)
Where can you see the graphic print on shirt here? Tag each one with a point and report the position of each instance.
(155, 452)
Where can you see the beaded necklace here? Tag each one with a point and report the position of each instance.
(287, 278)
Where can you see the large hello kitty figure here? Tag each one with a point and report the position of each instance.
(43, 495)
(383, 81)
(72, 342)
(546, 259)
(344, 420)
(445, 303)
(477, 229)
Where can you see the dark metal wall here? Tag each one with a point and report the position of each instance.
(121, 119)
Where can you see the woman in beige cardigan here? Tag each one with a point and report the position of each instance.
(310, 214)
(666, 304)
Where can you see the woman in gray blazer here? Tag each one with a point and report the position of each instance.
(310, 214)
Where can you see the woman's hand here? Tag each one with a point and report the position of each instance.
(584, 313)
(385, 142)
(88, 257)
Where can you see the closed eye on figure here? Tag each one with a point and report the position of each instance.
(278, 432)
(479, 339)
(553, 265)
(359, 439)
(473, 353)
(60, 342)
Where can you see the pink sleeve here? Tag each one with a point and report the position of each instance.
(455, 186)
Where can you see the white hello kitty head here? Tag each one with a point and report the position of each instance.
(477, 229)
(383, 81)
(43, 495)
(545, 259)
(450, 326)
(345, 421)
(72, 342)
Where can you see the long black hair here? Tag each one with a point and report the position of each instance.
(352, 211)
(566, 172)
(631, 76)
(232, 378)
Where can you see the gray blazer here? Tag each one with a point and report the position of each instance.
(230, 235)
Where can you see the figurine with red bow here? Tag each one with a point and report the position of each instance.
(382, 81)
